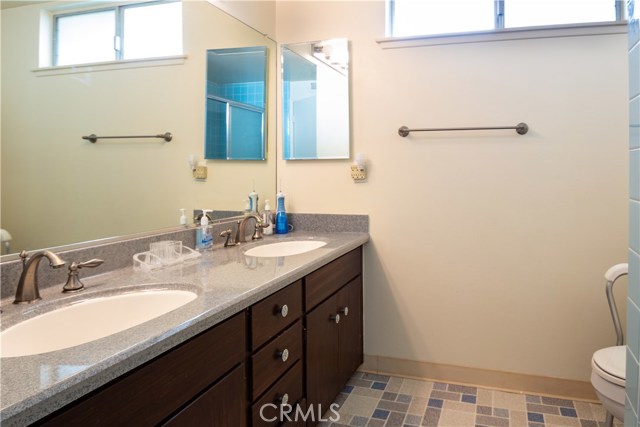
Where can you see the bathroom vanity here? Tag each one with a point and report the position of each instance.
(263, 333)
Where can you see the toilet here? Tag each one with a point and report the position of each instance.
(608, 365)
(608, 378)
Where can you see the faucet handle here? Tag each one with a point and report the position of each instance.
(227, 234)
(23, 256)
(257, 234)
(73, 281)
(92, 263)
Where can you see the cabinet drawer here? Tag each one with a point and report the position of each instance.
(157, 389)
(328, 279)
(289, 385)
(275, 358)
(223, 404)
(274, 313)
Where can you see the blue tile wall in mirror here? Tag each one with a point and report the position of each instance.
(235, 103)
(315, 100)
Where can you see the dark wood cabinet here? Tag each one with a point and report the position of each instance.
(323, 354)
(334, 344)
(288, 355)
(268, 410)
(350, 333)
(277, 355)
(223, 404)
(157, 390)
(276, 358)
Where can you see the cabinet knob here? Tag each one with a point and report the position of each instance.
(283, 355)
(284, 310)
(335, 318)
(284, 399)
(345, 311)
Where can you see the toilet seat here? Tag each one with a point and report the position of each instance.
(609, 363)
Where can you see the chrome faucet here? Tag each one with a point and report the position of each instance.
(257, 234)
(27, 291)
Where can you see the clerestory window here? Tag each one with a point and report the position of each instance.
(430, 17)
(132, 31)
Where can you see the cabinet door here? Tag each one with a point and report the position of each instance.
(224, 404)
(322, 355)
(350, 330)
(156, 390)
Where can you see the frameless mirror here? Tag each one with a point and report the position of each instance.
(315, 100)
(59, 189)
(235, 111)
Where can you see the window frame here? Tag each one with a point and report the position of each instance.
(499, 20)
(118, 31)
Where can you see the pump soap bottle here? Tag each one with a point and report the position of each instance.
(282, 226)
(267, 219)
(204, 233)
(183, 217)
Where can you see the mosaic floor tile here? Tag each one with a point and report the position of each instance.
(372, 400)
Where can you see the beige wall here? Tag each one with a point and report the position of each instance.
(487, 249)
(58, 189)
(259, 14)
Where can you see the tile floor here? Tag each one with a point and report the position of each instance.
(371, 400)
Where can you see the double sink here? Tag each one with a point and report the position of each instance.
(96, 317)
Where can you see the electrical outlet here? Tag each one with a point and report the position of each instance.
(358, 175)
(200, 172)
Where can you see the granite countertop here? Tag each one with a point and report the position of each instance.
(226, 282)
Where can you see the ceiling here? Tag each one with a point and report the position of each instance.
(7, 4)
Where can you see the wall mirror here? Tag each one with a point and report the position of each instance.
(59, 189)
(315, 100)
(235, 98)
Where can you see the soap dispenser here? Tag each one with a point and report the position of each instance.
(204, 233)
(267, 219)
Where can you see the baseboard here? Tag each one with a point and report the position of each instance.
(507, 381)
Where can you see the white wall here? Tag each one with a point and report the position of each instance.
(487, 249)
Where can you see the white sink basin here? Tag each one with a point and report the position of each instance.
(290, 247)
(88, 320)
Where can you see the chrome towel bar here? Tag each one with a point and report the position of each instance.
(167, 136)
(521, 128)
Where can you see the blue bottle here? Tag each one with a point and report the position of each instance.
(282, 226)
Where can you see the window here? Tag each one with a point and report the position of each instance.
(134, 31)
(425, 17)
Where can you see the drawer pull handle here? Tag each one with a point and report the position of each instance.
(335, 318)
(284, 399)
(283, 355)
(345, 311)
(284, 310)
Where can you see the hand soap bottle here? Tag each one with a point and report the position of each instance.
(282, 226)
(183, 217)
(267, 219)
(204, 233)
